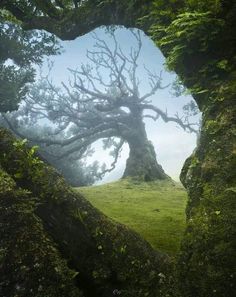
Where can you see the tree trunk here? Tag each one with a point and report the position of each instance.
(207, 261)
(54, 243)
(142, 162)
(208, 258)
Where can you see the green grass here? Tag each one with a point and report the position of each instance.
(155, 210)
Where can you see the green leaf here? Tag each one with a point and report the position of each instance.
(18, 175)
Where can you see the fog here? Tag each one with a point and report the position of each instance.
(172, 144)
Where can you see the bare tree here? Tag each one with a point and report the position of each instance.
(103, 101)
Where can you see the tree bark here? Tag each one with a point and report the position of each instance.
(208, 255)
(142, 162)
(90, 254)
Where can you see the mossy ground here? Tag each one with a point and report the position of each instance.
(156, 210)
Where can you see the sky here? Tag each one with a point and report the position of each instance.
(171, 143)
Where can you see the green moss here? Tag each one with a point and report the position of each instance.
(208, 252)
(208, 257)
(212, 126)
(86, 238)
(30, 264)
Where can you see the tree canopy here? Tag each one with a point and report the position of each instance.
(102, 101)
(19, 51)
(69, 19)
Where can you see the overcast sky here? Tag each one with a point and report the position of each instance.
(171, 143)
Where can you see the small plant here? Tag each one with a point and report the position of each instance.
(30, 163)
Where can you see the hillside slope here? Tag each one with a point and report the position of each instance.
(156, 210)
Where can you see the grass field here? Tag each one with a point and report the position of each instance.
(155, 210)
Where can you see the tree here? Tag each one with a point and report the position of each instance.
(74, 169)
(68, 19)
(19, 50)
(59, 235)
(83, 252)
(104, 102)
(197, 38)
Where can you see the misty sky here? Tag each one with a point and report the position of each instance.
(171, 143)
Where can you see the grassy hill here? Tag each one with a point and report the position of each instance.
(154, 209)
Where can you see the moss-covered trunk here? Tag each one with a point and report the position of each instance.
(48, 231)
(200, 46)
(30, 262)
(208, 257)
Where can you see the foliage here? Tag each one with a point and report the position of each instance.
(186, 33)
(186, 29)
(199, 43)
(66, 18)
(200, 28)
(19, 51)
(31, 165)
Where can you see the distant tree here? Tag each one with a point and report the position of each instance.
(19, 51)
(73, 167)
(76, 172)
(104, 102)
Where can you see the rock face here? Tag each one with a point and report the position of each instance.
(54, 243)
